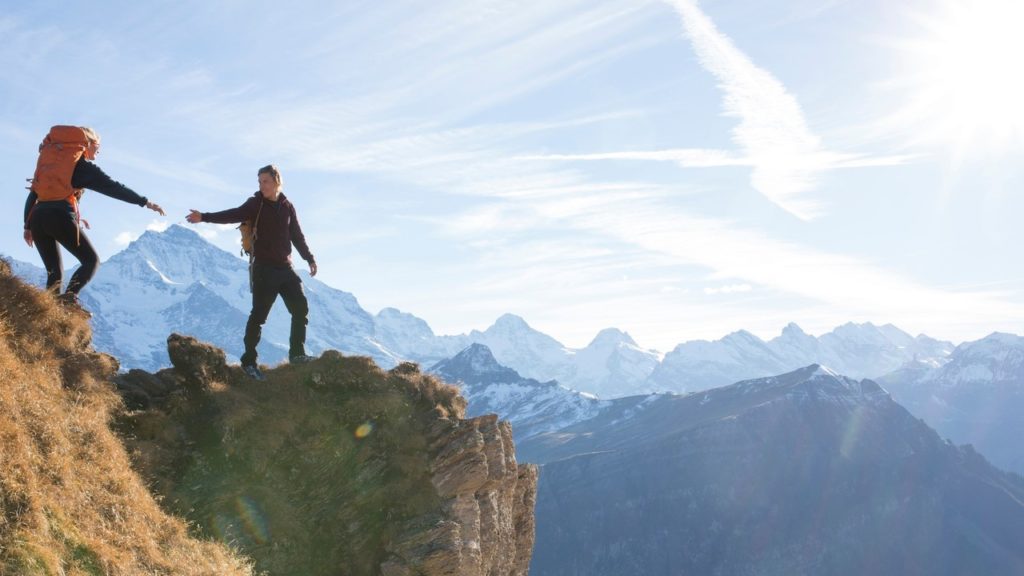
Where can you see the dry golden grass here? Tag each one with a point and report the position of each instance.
(70, 503)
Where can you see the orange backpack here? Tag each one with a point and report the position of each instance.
(58, 154)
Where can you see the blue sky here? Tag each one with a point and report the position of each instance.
(674, 169)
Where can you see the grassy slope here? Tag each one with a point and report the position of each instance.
(70, 502)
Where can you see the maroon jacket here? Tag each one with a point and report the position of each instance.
(276, 231)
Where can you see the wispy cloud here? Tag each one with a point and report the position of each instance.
(438, 68)
(808, 277)
(772, 131)
(711, 158)
(728, 289)
(772, 136)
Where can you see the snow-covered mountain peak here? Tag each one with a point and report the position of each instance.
(868, 333)
(741, 336)
(995, 341)
(821, 382)
(896, 336)
(532, 407)
(854, 331)
(830, 382)
(814, 384)
(398, 321)
(176, 255)
(793, 331)
(794, 345)
(173, 233)
(510, 323)
(998, 357)
(183, 241)
(823, 372)
(477, 359)
(610, 338)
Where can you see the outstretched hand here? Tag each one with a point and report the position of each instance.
(312, 269)
(194, 217)
(155, 208)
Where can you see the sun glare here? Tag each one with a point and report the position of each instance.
(963, 76)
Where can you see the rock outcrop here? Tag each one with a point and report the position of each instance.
(339, 465)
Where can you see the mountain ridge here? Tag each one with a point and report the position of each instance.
(974, 398)
(137, 296)
(808, 472)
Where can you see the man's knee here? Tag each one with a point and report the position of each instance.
(258, 315)
(299, 308)
(257, 319)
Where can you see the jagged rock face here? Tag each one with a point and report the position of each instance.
(487, 501)
(334, 467)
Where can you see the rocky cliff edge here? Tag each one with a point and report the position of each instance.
(332, 467)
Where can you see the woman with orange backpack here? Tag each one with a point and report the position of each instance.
(63, 171)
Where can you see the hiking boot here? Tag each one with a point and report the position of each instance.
(70, 301)
(253, 372)
(301, 359)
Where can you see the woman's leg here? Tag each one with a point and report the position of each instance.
(90, 260)
(49, 251)
(55, 224)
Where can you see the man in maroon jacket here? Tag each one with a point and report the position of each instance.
(277, 228)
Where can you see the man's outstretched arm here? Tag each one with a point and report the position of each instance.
(246, 211)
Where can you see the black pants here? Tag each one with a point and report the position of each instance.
(267, 283)
(54, 223)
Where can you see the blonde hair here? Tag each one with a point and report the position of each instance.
(91, 134)
(274, 172)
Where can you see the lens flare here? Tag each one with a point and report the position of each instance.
(254, 522)
(222, 528)
(960, 74)
(364, 430)
(851, 436)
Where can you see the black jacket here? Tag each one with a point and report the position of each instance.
(89, 175)
(276, 231)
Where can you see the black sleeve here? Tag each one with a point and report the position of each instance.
(298, 238)
(89, 175)
(29, 203)
(247, 211)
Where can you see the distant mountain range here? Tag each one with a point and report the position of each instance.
(977, 397)
(175, 281)
(807, 473)
(860, 350)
